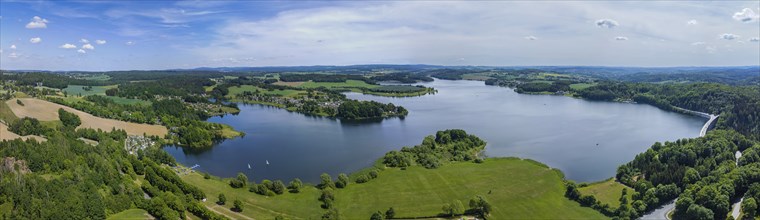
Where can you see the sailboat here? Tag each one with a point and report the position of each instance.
(249, 166)
(267, 162)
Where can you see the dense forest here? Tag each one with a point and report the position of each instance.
(64, 178)
(738, 106)
(403, 78)
(323, 78)
(446, 146)
(352, 109)
(702, 173)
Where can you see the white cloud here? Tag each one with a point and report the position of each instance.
(606, 23)
(13, 55)
(84, 41)
(754, 39)
(37, 22)
(88, 46)
(81, 51)
(68, 46)
(531, 37)
(697, 43)
(100, 42)
(621, 38)
(692, 22)
(35, 40)
(728, 36)
(746, 15)
(13, 47)
(130, 43)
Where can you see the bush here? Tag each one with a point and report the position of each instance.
(362, 179)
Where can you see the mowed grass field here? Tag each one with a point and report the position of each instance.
(516, 188)
(607, 192)
(131, 214)
(519, 189)
(581, 86)
(234, 91)
(79, 90)
(302, 205)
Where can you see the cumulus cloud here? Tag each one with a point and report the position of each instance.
(531, 37)
(621, 38)
(81, 51)
(728, 36)
(13, 47)
(88, 46)
(697, 43)
(68, 46)
(692, 22)
(754, 39)
(746, 16)
(606, 23)
(35, 40)
(37, 22)
(130, 43)
(100, 42)
(84, 41)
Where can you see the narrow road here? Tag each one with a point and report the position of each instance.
(737, 208)
(660, 213)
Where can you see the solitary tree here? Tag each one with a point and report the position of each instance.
(342, 180)
(326, 181)
(390, 213)
(377, 216)
(222, 199)
(295, 185)
(480, 206)
(237, 205)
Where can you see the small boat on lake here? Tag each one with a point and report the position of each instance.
(249, 166)
(267, 162)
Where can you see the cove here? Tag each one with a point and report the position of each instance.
(586, 140)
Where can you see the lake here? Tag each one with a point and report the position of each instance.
(587, 140)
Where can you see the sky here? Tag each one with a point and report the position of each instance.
(140, 35)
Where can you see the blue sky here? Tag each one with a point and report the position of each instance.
(126, 35)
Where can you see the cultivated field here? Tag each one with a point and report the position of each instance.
(48, 111)
(79, 90)
(517, 189)
(8, 135)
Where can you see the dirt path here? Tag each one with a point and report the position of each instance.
(47, 111)
(214, 208)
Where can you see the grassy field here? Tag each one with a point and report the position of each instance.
(131, 214)
(301, 205)
(347, 84)
(581, 86)
(79, 90)
(6, 115)
(607, 192)
(127, 101)
(517, 189)
(240, 89)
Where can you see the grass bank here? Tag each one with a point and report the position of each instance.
(517, 189)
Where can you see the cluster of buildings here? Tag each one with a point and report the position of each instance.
(133, 143)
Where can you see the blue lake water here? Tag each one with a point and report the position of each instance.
(587, 140)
